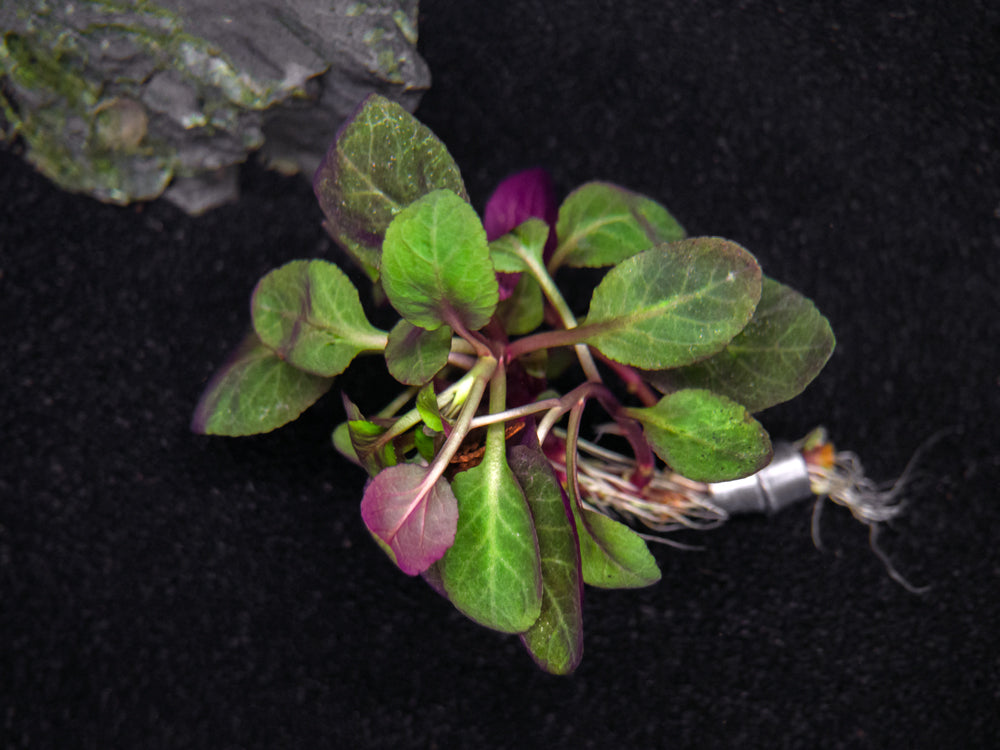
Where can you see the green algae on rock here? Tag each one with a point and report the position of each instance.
(128, 101)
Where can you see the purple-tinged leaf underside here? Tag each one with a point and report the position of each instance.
(520, 197)
(417, 523)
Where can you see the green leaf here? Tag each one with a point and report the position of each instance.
(523, 311)
(383, 159)
(427, 406)
(415, 355)
(773, 359)
(704, 436)
(255, 391)
(343, 444)
(673, 304)
(363, 436)
(424, 443)
(525, 240)
(555, 639)
(492, 572)
(612, 555)
(436, 267)
(310, 314)
(601, 224)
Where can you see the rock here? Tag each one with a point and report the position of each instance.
(128, 102)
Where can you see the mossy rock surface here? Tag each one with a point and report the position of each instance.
(128, 101)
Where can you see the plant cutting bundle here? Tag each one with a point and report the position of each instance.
(480, 479)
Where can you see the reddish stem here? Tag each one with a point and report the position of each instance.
(633, 380)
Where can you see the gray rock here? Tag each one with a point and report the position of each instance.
(128, 101)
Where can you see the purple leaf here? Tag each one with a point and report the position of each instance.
(506, 283)
(417, 523)
(522, 196)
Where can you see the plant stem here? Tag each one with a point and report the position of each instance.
(517, 412)
(498, 402)
(558, 302)
(375, 343)
(572, 434)
(633, 383)
(461, 428)
(461, 346)
(630, 428)
(465, 361)
(581, 393)
(550, 339)
(481, 370)
(645, 463)
(475, 339)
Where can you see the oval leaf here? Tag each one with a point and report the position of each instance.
(673, 304)
(704, 436)
(601, 224)
(382, 160)
(436, 267)
(612, 555)
(416, 522)
(254, 392)
(310, 314)
(555, 639)
(492, 573)
(772, 360)
(415, 355)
